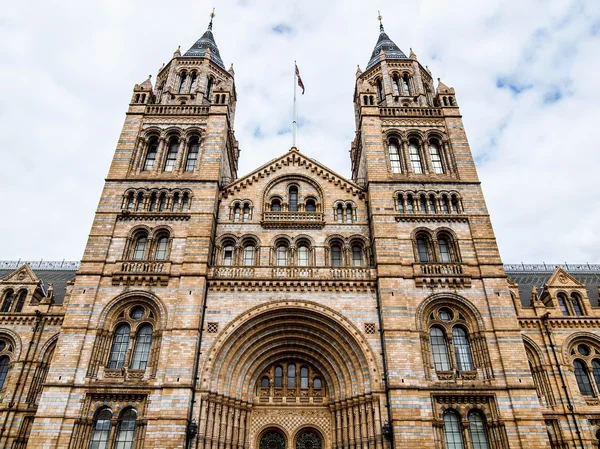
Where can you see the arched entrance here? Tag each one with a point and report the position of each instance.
(272, 439)
(291, 365)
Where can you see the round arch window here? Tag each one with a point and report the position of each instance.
(137, 313)
(273, 439)
(309, 439)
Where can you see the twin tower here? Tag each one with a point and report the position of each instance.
(290, 308)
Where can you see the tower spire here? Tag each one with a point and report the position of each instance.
(212, 15)
(379, 17)
(206, 47)
(385, 44)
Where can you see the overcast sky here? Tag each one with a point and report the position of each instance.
(526, 75)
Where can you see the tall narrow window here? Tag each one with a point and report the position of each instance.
(175, 205)
(436, 159)
(445, 205)
(423, 204)
(401, 204)
(282, 256)
(303, 256)
(99, 437)
(161, 248)
(152, 206)
(336, 256)
(462, 349)
(455, 204)
(192, 156)
(249, 255)
(119, 347)
(293, 199)
(139, 249)
(236, 212)
(562, 303)
(477, 431)
(311, 206)
(126, 431)
(141, 351)
(439, 349)
(576, 305)
(194, 82)
(317, 383)
(162, 202)
(583, 379)
(209, 87)
(380, 89)
(452, 431)
(185, 204)
(278, 377)
(445, 256)
(246, 212)
(357, 256)
(151, 153)
(140, 202)
(8, 300)
(21, 301)
(406, 85)
(415, 157)
(349, 212)
(423, 250)
(3, 370)
(304, 377)
(130, 201)
(291, 380)
(396, 85)
(182, 82)
(172, 154)
(394, 150)
(432, 205)
(228, 255)
(340, 213)
(410, 206)
(596, 372)
(275, 206)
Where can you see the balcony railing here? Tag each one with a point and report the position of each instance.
(299, 273)
(441, 274)
(176, 110)
(296, 220)
(410, 112)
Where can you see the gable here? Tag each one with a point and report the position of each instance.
(561, 279)
(23, 275)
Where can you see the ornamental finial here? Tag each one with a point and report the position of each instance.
(212, 15)
(379, 17)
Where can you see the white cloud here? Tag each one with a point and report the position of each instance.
(66, 74)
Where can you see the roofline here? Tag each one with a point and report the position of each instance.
(550, 268)
(54, 265)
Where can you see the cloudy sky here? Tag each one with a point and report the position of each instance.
(526, 73)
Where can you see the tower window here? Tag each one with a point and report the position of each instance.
(401, 204)
(445, 256)
(99, 437)
(278, 377)
(182, 82)
(477, 431)
(151, 154)
(130, 201)
(8, 300)
(21, 301)
(423, 204)
(445, 205)
(228, 255)
(161, 248)
(406, 85)
(141, 351)
(194, 82)
(415, 157)
(357, 256)
(583, 379)
(380, 89)
(394, 151)
(119, 347)
(246, 212)
(423, 249)
(139, 249)
(276, 206)
(349, 213)
(436, 159)
(249, 255)
(563, 305)
(576, 305)
(304, 377)
(192, 157)
(175, 205)
(410, 207)
(340, 213)
(172, 154)
(439, 349)
(186, 202)
(162, 202)
(291, 376)
(303, 256)
(281, 255)
(455, 204)
(293, 199)
(432, 207)
(336, 255)
(209, 87)
(462, 349)
(152, 205)
(236, 213)
(396, 85)
(140, 202)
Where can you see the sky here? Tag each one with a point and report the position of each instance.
(526, 75)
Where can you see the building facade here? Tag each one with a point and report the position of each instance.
(292, 307)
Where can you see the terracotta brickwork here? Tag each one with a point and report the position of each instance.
(293, 308)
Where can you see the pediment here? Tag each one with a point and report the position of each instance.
(304, 165)
(560, 279)
(23, 275)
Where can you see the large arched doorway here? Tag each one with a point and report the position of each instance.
(291, 365)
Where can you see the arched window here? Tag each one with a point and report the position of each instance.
(228, 254)
(249, 255)
(281, 256)
(415, 157)
(3, 370)
(151, 153)
(445, 205)
(423, 204)
(139, 247)
(182, 82)
(209, 87)
(278, 377)
(462, 349)
(162, 245)
(192, 156)
(396, 85)
(264, 382)
(336, 255)
(423, 249)
(99, 437)
(291, 375)
(445, 255)
(275, 205)
(172, 154)
(126, 430)
(21, 301)
(452, 431)
(293, 199)
(317, 383)
(583, 378)
(273, 439)
(194, 82)
(303, 255)
(152, 206)
(380, 89)
(175, 205)
(406, 84)
(140, 202)
(357, 259)
(304, 377)
(477, 431)
(185, 202)
(596, 372)
(236, 212)
(130, 201)
(311, 206)
(455, 204)
(436, 159)
(410, 206)
(401, 203)
(439, 349)
(8, 300)
(576, 305)
(119, 347)
(141, 350)
(349, 213)
(340, 213)
(162, 202)
(562, 303)
(432, 206)
(246, 212)
(394, 150)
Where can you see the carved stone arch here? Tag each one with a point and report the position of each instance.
(193, 131)
(314, 427)
(335, 238)
(288, 179)
(13, 338)
(305, 237)
(162, 229)
(435, 134)
(358, 238)
(421, 229)
(234, 361)
(445, 230)
(433, 300)
(535, 350)
(281, 238)
(173, 131)
(415, 134)
(152, 131)
(125, 299)
(136, 230)
(394, 134)
(577, 338)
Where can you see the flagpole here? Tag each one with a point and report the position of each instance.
(295, 113)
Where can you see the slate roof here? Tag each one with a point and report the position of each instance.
(198, 50)
(528, 276)
(390, 49)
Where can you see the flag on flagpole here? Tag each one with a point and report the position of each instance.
(300, 83)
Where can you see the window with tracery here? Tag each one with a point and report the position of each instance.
(439, 247)
(7, 301)
(292, 379)
(586, 367)
(6, 350)
(272, 439)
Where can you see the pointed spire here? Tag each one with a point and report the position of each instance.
(231, 71)
(206, 47)
(177, 52)
(412, 55)
(358, 70)
(386, 45)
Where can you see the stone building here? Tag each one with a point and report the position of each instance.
(292, 307)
